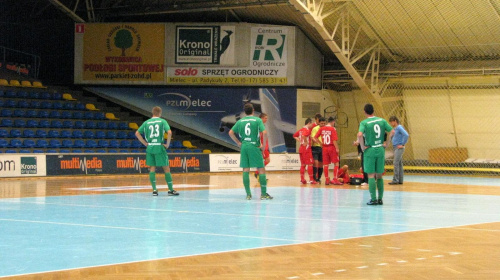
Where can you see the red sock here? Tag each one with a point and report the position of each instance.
(302, 171)
(325, 171)
(310, 172)
(335, 172)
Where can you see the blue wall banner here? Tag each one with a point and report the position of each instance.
(213, 111)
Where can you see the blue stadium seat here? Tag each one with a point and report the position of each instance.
(68, 106)
(177, 151)
(137, 151)
(88, 115)
(28, 133)
(28, 143)
(66, 143)
(80, 106)
(102, 151)
(10, 94)
(56, 124)
(35, 104)
(56, 96)
(54, 114)
(18, 113)
(3, 143)
(65, 134)
(10, 151)
(100, 134)
(77, 151)
(90, 144)
(114, 144)
(77, 115)
(15, 133)
(90, 124)
(124, 151)
(64, 151)
(24, 151)
(176, 144)
(79, 125)
(66, 115)
(42, 143)
(121, 135)
(124, 144)
(2, 94)
(197, 151)
(99, 116)
(43, 114)
(40, 133)
(113, 151)
(3, 133)
(19, 123)
(46, 105)
(51, 151)
(78, 143)
(6, 123)
(123, 125)
(77, 134)
(57, 105)
(187, 151)
(54, 143)
(22, 94)
(23, 104)
(6, 113)
(34, 95)
(15, 143)
(131, 135)
(112, 125)
(1, 103)
(88, 151)
(45, 95)
(111, 134)
(101, 125)
(31, 114)
(38, 151)
(136, 144)
(88, 134)
(102, 143)
(44, 124)
(67, 124)
(53, 134)
(32, 123)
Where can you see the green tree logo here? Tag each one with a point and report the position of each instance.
(123, 40)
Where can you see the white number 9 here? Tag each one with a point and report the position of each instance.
(377, 130)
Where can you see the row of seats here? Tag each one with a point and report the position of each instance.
(35, 104)
(102, 151)
(16, 83)
(44, 123)
(67, 143)
(52, 133)
(44, 114)
(32, 95)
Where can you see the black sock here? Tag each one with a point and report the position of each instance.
(315, 172)
(320, 172)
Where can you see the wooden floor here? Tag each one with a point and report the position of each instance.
(463, 252)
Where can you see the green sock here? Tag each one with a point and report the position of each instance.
(246, 182)
(263, 184)
(372, 188)
(380, 187)
(152, 179)
(168, 178)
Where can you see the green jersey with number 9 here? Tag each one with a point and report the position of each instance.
(153, 131)
(374, 130)
(249, 129)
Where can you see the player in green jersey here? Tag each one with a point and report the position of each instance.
(156, 153)
(373, 129)
(248, 130)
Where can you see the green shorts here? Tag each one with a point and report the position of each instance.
(160, 159)
(374, 160)
(251, 156)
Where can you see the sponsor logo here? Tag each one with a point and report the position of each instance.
(124, 37)
(197, 44)
(131, 163)
(288, 162)
(186, 72)
(28, 165)
(7, 165)
(184, 102)
(223, 160)
(185, 163)
(83, 164)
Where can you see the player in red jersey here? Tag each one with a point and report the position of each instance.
(344, 174)
(329, 139)
(265, 153)
(303, 135)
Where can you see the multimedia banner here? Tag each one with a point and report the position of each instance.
(121, 164)
(20, 165)
(231, 162)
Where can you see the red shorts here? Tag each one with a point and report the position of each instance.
(330, 155)
(306, 157)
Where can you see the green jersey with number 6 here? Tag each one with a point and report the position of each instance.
(153, 131)
(374, 129)
(249, 129)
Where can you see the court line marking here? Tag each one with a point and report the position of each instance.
(317, 273)
(340, 270)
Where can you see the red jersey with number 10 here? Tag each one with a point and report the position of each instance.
(328, 135)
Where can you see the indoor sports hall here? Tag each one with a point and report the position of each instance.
(78, 78)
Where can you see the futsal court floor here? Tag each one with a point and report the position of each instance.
(111, 227)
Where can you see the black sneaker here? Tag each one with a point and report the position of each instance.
(266, 197)
(380, 202)
(372, 202)
(155, 193)
(171, 193)
(256, 175)
(393, 183)
(249, 197)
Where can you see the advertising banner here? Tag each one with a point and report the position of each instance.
(268, 62)
(16, 165)
(213, 111)
(121, 164)
(231, 162)
(120, 53)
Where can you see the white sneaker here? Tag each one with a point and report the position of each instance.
(364, 184)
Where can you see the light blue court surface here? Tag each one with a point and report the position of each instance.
(66, 232)
(454, 180)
